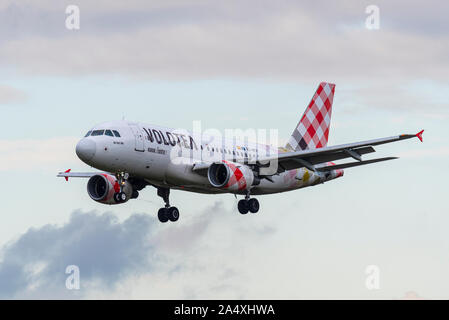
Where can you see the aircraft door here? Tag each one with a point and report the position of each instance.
(140, 143)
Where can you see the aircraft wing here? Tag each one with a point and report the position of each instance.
(311, 158)
(67, 174)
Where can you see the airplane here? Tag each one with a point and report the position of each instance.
(133, 155)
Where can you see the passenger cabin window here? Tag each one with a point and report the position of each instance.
(116, 133)
(88, 134)
(108, 133)
(97, 133)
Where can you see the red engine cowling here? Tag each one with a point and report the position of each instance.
(102, 187)
(230, 176)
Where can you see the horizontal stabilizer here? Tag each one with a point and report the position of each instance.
(354, 164)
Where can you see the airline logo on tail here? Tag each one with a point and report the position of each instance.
(312, 130)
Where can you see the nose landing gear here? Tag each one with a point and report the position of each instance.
(119, 195)
(166, 213)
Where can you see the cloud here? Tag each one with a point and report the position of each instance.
(198, 39)
(112, 255)
(206, 39)
(103, 248)
(11, 95)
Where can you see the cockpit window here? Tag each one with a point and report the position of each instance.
(108, 133)
(97, 133)
(116, 133)
(88, 134)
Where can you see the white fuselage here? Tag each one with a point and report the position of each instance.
(165, 157)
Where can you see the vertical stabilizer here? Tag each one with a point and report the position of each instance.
(312, 130)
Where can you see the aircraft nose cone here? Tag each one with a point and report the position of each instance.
(85, 149)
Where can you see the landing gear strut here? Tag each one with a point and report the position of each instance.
(247, 204)
(166, 213)
(120, 196)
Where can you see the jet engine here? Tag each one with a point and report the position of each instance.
(102, 188)
(230, 176)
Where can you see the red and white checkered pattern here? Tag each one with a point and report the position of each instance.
(338, 172)
(312, 130)
(237, 179)
(112, 183)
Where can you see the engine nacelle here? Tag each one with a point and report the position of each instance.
(230, 176)
(102, 187)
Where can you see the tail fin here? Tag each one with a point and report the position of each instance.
(312, 130)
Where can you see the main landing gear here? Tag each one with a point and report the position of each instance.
(166, 213)
(247, 204)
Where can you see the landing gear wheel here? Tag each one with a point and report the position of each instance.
(135, 194)
(167, 213)
(173, 214)
(162, 215)
(119, 197)
(253, 205)
(243, 206)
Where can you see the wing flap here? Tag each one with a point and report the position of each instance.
(317, 158)
(354, 164)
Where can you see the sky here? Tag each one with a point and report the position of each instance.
(230, 64)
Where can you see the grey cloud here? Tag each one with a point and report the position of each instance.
(104, 250)
(204, 39)
(108, 251)
(429, 19)
(26, 19)
(20, 21)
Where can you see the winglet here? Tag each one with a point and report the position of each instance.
(419, 135)
(67, 171)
